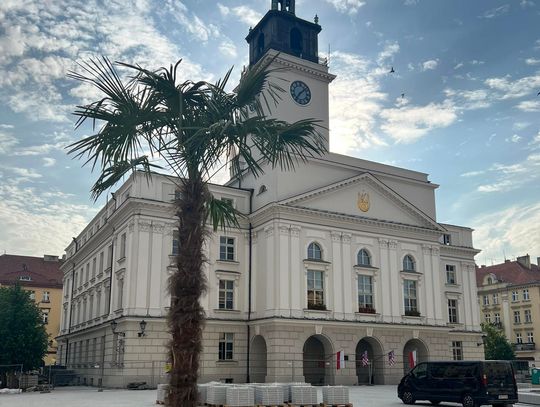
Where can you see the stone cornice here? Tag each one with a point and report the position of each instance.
(315, 70)
(458, 250)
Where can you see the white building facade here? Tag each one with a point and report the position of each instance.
(342, 255)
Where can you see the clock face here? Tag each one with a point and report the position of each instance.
(300, 93)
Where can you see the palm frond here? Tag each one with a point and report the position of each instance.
(222, 214)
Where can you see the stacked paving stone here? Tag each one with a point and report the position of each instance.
(269, 395)
(335, 395)
(303, 395)
(238, 396)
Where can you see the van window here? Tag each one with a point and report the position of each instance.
(438, 370)
(420, 371)
(497, 370)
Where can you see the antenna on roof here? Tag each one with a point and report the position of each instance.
(504, 255)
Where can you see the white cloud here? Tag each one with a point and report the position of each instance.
(508, 177)
(347, 6)
(496, 12)
(460, 65)
(410, 123)
(472, 174)
(411, 2)
(514, 230)
(526, 3)
(390, 49)
(228, 49)
(514, 139)
(529, 106)
(430, 65)
(7, 142)
(27, 212)
(245, 14)
(532, 61)
(520, 125)
(507, 88)
(48, 161)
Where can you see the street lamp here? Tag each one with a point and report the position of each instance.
(484, 337)
(142, 324)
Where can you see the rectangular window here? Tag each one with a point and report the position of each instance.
(495, 298)
(517, 317)
(109, 256)
(101, 262)
(452, 311)
(120, 292)
(528, 316)
(497, 317)
(519, 338)
(45, 314)
(526, 294)
(226, 294)
(98, 304)
(486, 300)
(87, 273)
(94, 266)
(229, 201)
(91, 308)
(530, 337)
(175, 242)
(84, 315)
(457, 350)
(410, 298)
(315, 289)
(450, 274)
(365, 293)
(46, 296)
(226, 248)
(122, 246)
(488, 318)
(515, 296)
(81, 276)
(446, 239)
(32, 295)
(226, 346)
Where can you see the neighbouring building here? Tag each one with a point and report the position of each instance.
(41, 276)
(342, 255)
(509, 298)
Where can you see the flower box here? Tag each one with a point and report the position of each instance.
(366, 310)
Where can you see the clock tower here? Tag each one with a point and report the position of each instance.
(302, 74)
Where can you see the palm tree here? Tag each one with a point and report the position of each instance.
(193, 127)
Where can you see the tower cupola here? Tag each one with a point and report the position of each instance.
(281, 30)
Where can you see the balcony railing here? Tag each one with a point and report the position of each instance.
(522, 347)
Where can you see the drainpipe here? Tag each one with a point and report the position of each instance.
(250, 261)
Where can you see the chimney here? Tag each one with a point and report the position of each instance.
(538, 261)
(483, 266)
(507, 260)
(48, 257)
(525, 261)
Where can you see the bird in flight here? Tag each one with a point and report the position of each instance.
(392, 70)
(402, 95)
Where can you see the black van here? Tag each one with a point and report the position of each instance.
(472, 383)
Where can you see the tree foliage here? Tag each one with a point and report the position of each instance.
(194, 127)
(23, 338)
(496, 346)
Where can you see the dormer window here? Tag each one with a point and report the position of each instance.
(314, 252)
(25, 278)
(408, 263)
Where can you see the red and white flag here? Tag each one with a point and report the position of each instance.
(412, 359)
(365, 359)
(340, 360)
(391, 358)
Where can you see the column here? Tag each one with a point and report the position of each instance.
(475, 311)
(437, 283)
(395, 280)
(347, 278)
(385, 291)
(335, 292)
(429, 292)
(468, 300)
(270, 270)
(284, 271)
(296, 274)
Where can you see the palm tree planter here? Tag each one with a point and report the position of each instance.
(412, 313)
(366, 310)
(193, 127)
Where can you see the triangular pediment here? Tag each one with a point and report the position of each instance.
(364, 196)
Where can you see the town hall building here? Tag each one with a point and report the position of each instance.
(343, 256)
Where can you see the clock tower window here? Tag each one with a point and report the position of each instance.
(260, 44)
(296, 42)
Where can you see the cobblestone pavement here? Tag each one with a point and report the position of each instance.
(360, 396)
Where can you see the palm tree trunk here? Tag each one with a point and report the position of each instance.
(186, 316)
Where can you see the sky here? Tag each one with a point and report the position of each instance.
(461, 106)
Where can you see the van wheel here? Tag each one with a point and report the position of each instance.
(434, 402)
(468, 401)
(408, 397)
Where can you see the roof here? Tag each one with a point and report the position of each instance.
(42, 273)
(510, 272)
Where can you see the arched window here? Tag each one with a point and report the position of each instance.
(260, 44)
(314, 252)
(296, 41)
(490, 280)
(363, 259)
(408, 263)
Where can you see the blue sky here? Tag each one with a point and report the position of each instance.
(469, 72)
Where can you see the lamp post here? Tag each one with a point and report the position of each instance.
(142, 324)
